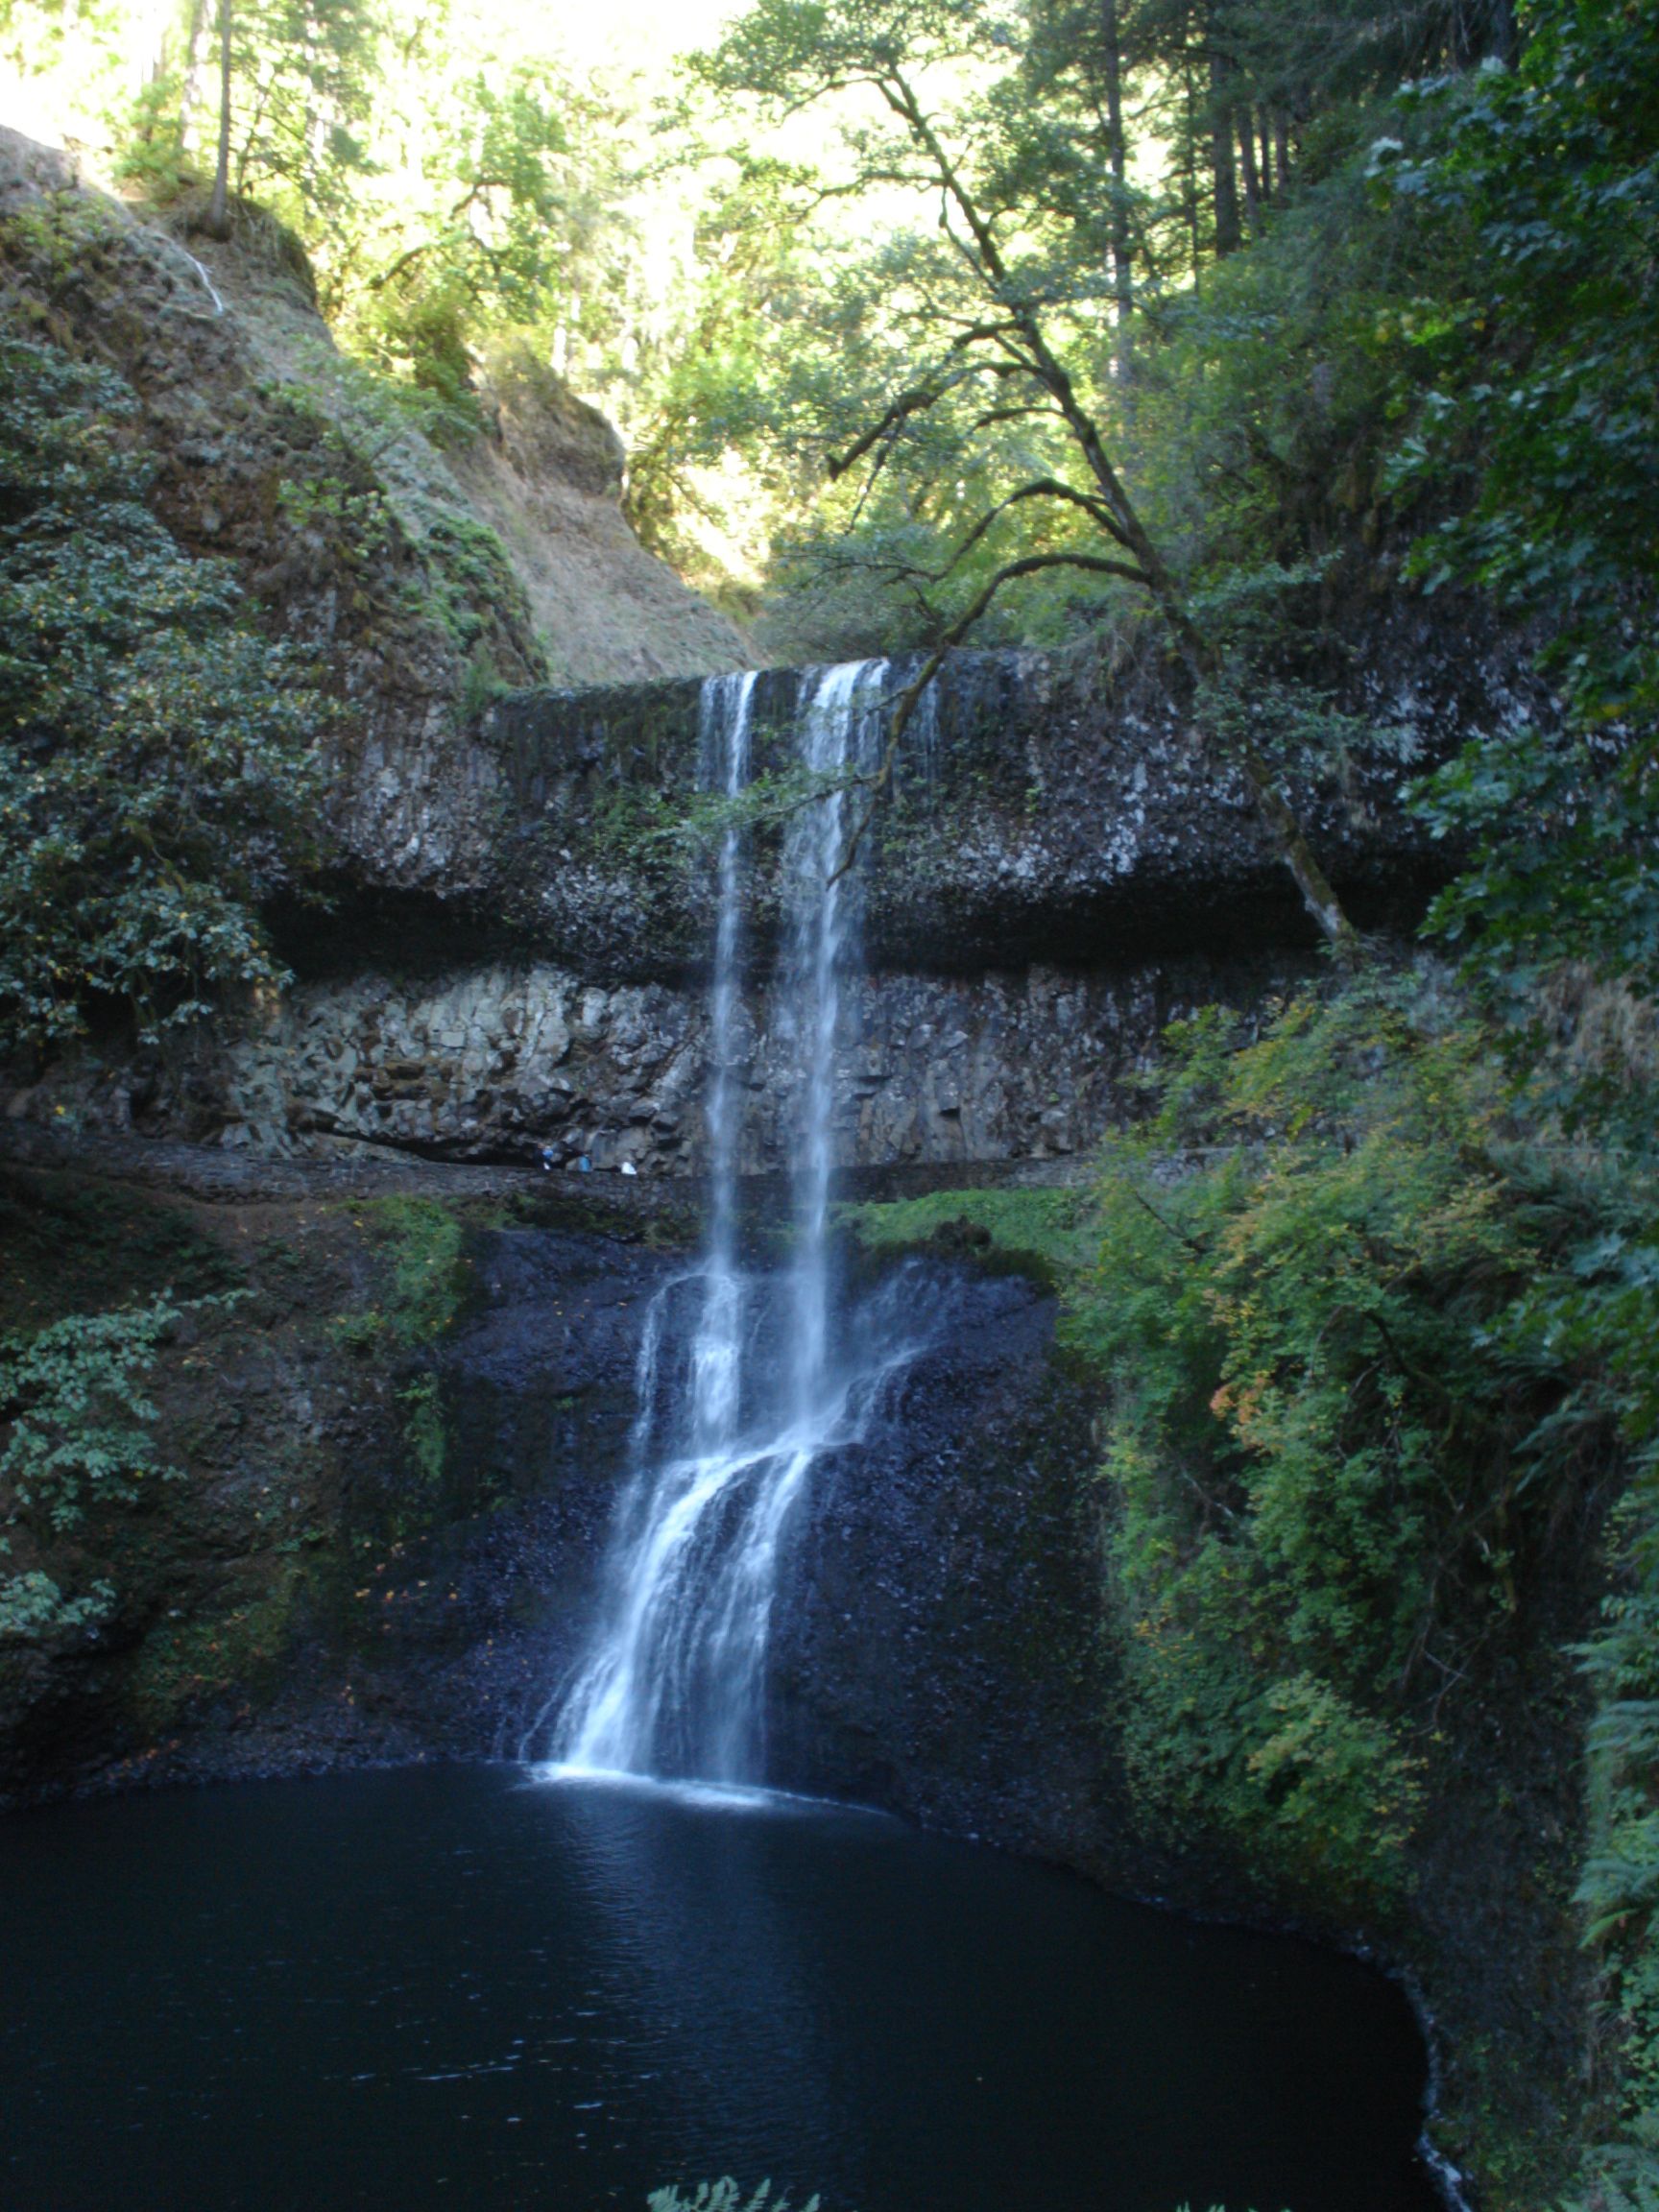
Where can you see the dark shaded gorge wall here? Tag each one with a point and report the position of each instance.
(938, 1642)
(325, 1590)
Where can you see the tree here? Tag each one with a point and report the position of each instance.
(296, 81)
(1536, 432)
(515, 223)
(1005, 323)
(218, 220)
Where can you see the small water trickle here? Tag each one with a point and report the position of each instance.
(207, 284)
(674, 1683)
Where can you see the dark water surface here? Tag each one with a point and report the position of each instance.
(450, 1987)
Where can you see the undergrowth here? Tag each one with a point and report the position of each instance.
(423, 1277)
(1052, 1233)
(78, 1421)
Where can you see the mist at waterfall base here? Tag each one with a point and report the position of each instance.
(446, 1987)
(551, 1988)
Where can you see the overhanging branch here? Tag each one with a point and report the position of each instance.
(909, 698)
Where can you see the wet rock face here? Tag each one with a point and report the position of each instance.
(1059, 871)
(937, 1641)
(1043, 808)
(935, 1646)
(533, 1064)
(537, 1394)
(934, 1633)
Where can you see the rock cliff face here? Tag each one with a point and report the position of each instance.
(1057, 808)
(532, 1064)
(333, 1584)
(1060, 870)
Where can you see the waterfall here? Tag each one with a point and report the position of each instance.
(674, 1681)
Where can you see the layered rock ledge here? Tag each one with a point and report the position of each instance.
(1060, 869)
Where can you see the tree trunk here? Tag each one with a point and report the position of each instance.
(1281, 150)
(1117, 152)
(190, 89)
(1251, 183)
(218, 223)
(1228, 237)
(1189, 181)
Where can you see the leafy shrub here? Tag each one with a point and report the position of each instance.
(1339, 1418)
(80, 1439)
(32, 1606)
(157, 779)
(79, 1418)
(1052, 1233)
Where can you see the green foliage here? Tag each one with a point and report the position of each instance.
(426, 1245)
(156, 774)
(1253, 390)
(1538, 410)
(508, 203)
(1537, 435)
(902, 397)
(420, 1243)
(78, 1417)
(1538, 431)
(1269, 401)
(304, 78)
(474, 579)
(1053, 1232)
(368, 495)
(1367, 1337)
(1337, 1425)
(357, 527)
(1607, 1309)
(32, 1607)
(424, 1427)
(1619, 1889)
(73, 1397)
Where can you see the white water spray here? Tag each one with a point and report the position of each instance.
(674, 1683)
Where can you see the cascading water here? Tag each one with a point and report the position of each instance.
(674, 1683)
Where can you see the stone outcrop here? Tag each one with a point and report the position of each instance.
(1060, 870)
(324, 1590)
(1059, 808)
(532, 1064)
